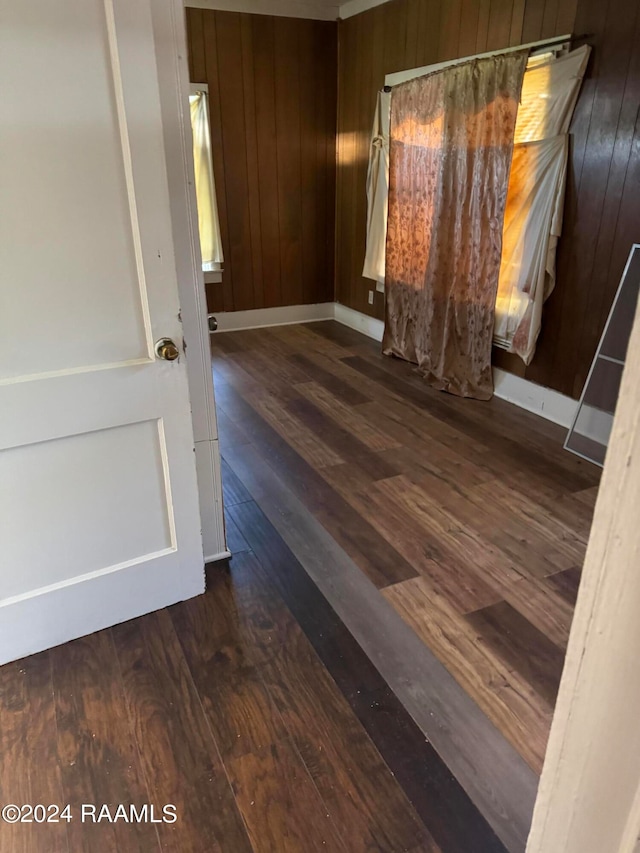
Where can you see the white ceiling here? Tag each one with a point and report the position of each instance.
(322, 10)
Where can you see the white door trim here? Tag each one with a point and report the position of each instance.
(173, 73)
(588, 797)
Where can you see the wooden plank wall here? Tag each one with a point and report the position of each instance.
(602, 214)
(272, 98)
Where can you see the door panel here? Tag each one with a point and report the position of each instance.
(67, 197)
(115, 512)
(97, 468)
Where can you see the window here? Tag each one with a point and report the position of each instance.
(533, 215)
(208, 222)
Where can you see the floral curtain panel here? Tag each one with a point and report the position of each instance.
(451, 137)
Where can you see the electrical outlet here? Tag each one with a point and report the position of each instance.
(371, 297)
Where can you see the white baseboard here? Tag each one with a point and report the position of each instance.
(210, 491)
(534, 398)
(213, 558)
(369, 326)
(257, 318)
(527, 395)
(52, 616)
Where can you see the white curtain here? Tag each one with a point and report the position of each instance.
(377, 191)
(208, 222)
(535, 198)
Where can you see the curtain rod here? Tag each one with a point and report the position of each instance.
(426, 69)
(562, 39)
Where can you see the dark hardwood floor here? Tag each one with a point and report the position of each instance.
(259, 709)
(251, 708)
(469, 517)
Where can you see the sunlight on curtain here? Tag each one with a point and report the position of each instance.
(451, 139)
(535, 199)
(208, 223)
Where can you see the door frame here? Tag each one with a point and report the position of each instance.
(169, 26)
(589, 795)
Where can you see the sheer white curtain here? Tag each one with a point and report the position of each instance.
(535, 199)
(208, 222)
(378, 191)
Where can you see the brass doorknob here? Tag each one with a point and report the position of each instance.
(166, 349)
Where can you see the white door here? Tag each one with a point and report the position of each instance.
(99, 516)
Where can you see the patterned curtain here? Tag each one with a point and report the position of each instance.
(451, 144)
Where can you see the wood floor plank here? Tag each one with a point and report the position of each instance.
(365, 802)
(415, 427)
(466, 562)
(229, 399)
(549, 611)
(296, 430)
(238, 708)
(333, 364)
(228, 433)
(303, 339)
(236, 543)
(566, 584)
(445, 808)
(478, 500)
(443, 568)
(296, 589)
(564, 504)
(502, 418)
(233, 492)
(246, 609)
(533, 552)
(348, 417)
(29, 770)
(431, 787)
(270, 370)
(335, 385)
(342, 335)
(280, 804)
(345, 445)
(538, 518)
(380, 562)
(97, 751)
(14, 769)
(519, 452)
(421, 456)
(503, 694)
(497, 780)
(521, 646)
(176, 747)
(587, 497)
(363, 542)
